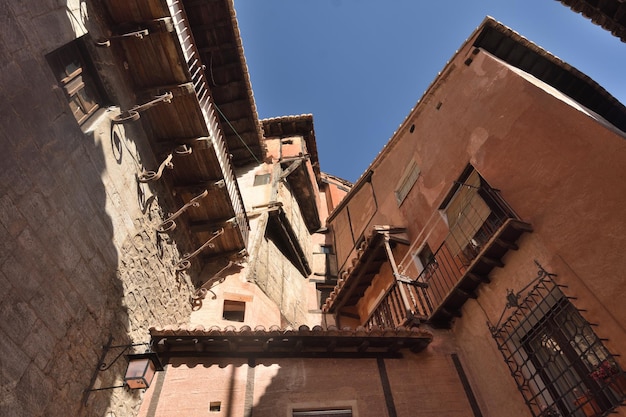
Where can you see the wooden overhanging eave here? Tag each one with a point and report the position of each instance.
(506, 44)
(301, 184)
(304, 342)
(216, 33)
(374, 251)
(287, 240)
(608, 14)
(300, 125)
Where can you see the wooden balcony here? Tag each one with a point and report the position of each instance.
(392, 311)
(461, 263)
(165, 61)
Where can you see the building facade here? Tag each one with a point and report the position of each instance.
(510, 157)
(147, 207)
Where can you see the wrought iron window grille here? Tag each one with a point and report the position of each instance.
(560, 366)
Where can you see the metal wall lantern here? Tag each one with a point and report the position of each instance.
(140, 368)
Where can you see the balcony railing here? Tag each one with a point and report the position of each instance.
(201, 87)
(392, 311)
(483, 232)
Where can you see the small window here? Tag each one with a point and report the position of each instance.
(234, 310)
(425, 259)
(343, 412)
(326, 249)
(409, 178)
(70, 65)
(262, 179)
(215, 406)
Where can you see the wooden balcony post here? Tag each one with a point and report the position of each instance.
(396, 273)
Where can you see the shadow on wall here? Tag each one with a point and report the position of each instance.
(80, 260)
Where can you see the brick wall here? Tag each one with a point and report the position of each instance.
(423, 384)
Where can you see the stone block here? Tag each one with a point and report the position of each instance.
(13, 362)
(88, 289)
(64, 211)
(35, 69)
(82, 239)
(53, 312)
(101, 272)
(28, 247)
(12, 177)
(34, 209)
(39, 344)
(17, 315)
(34, 391)
(12, 81)
(21, 276)
(59, 246)
(52, 30)
(32, 163)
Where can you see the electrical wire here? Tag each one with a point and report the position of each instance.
(222, 114)
(237, 133)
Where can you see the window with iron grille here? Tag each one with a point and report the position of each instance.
(559, 364)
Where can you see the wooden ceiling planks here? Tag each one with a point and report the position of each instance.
(124, 11)
(216, 34)
(151, 61)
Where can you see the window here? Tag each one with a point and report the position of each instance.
(327, 249)
(215, 406)
(466, 213)
(475, 212)
(262, 179)
(405, 184)
(72, 71)
(559, 364)
(424, 257)
(234, 310)
(343, 412)
(425, 261)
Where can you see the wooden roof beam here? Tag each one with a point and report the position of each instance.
(204, 185)
(209, 226)
(177, 90)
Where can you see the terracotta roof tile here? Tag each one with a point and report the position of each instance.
(276, 341)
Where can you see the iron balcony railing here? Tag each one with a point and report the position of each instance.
(480, 235)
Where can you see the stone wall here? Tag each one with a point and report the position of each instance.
(294, 294)
(80, 259)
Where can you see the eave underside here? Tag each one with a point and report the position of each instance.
(608, 14)
(276, 342)
(216, 34)
(517, 51)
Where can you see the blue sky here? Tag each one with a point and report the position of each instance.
(359, 66)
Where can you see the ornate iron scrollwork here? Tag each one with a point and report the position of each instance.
(132, 114)
(168, 225)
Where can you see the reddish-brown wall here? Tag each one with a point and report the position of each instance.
(558, 166)
(424, 384)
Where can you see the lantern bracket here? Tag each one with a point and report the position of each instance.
(104, 366)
